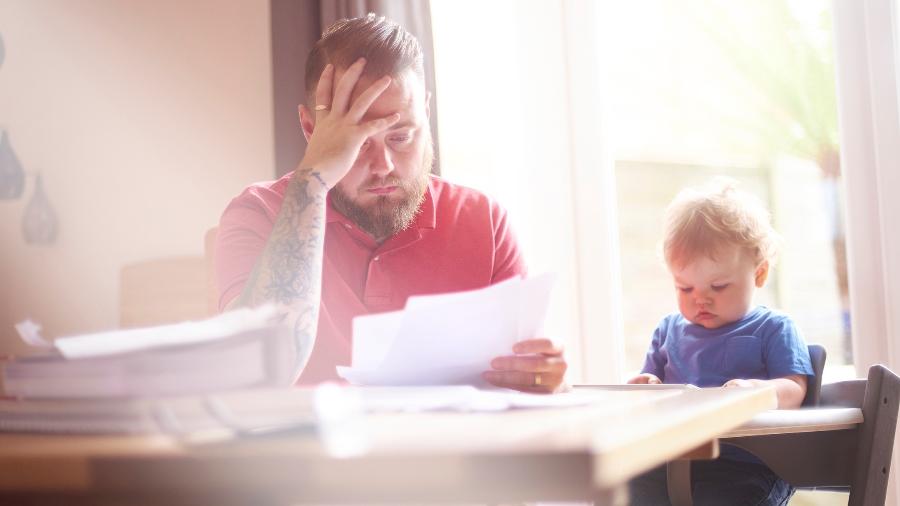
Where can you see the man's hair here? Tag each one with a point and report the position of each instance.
(700, 222)
(387, 47)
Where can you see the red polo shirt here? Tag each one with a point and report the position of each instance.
(460, 240)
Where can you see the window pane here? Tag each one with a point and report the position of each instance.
(743, 89)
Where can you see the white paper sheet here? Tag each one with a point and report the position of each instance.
(114, 342)
(468, 398)
(447, 339)
(30, 333)
(373, 336)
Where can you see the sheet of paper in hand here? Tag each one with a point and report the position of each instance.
(447, 339)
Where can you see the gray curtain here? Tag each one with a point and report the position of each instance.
(296, 26)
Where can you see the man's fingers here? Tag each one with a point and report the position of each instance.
(345, 85)
(323, 91)
(365, 99)
(530, 363)
(377, 125)
(542, 346)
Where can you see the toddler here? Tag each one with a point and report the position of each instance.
(719, 248)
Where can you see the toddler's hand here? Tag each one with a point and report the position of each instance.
(737, 382)
(645, 379)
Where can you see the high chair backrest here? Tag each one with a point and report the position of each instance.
(858, 458)
(817, 355)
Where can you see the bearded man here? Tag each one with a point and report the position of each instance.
(361, 224)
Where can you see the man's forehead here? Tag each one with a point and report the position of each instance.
(405, 88)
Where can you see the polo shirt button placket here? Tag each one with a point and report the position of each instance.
(376, 282)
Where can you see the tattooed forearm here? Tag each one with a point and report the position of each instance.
(305, 336)
(289, 271)
(295, 273)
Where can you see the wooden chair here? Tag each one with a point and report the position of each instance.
(165, 290)
(169, 290)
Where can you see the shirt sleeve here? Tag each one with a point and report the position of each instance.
(786, 352)
(655, 361)
(243, 231)
(508, 260)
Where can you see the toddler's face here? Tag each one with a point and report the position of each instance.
(717, 292)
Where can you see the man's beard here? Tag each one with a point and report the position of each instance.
(385, 217)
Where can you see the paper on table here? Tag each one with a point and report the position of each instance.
(447, 339)
(240, 349)
(114, 342)
(30, 333)
(467, 398)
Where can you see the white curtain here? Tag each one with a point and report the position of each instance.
(521, 120)
(866, 34)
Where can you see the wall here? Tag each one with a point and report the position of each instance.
(144, 119)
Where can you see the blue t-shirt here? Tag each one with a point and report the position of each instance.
(765, 344)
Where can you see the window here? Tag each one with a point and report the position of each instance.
(685, 90)
(742, 89)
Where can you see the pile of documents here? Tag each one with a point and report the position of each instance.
(233, 374)
(244, 348)
(332, 410)
(447, 339)
(222, 414)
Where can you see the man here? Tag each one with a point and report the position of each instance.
(361, 224)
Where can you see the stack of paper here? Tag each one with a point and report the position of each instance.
(214, 415)
(234, 350)
(261, 411)
(447, 339)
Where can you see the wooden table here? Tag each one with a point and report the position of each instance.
(574, 453)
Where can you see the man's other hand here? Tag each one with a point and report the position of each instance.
(537, 366)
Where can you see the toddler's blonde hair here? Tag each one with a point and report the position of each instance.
(701, 221)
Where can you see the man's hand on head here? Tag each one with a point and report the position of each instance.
(339, 130)
(537, 365)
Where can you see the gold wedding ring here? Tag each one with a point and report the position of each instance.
(537, 379)
(321, 107)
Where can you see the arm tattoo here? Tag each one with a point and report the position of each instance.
(289, 270)
(293, 254)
